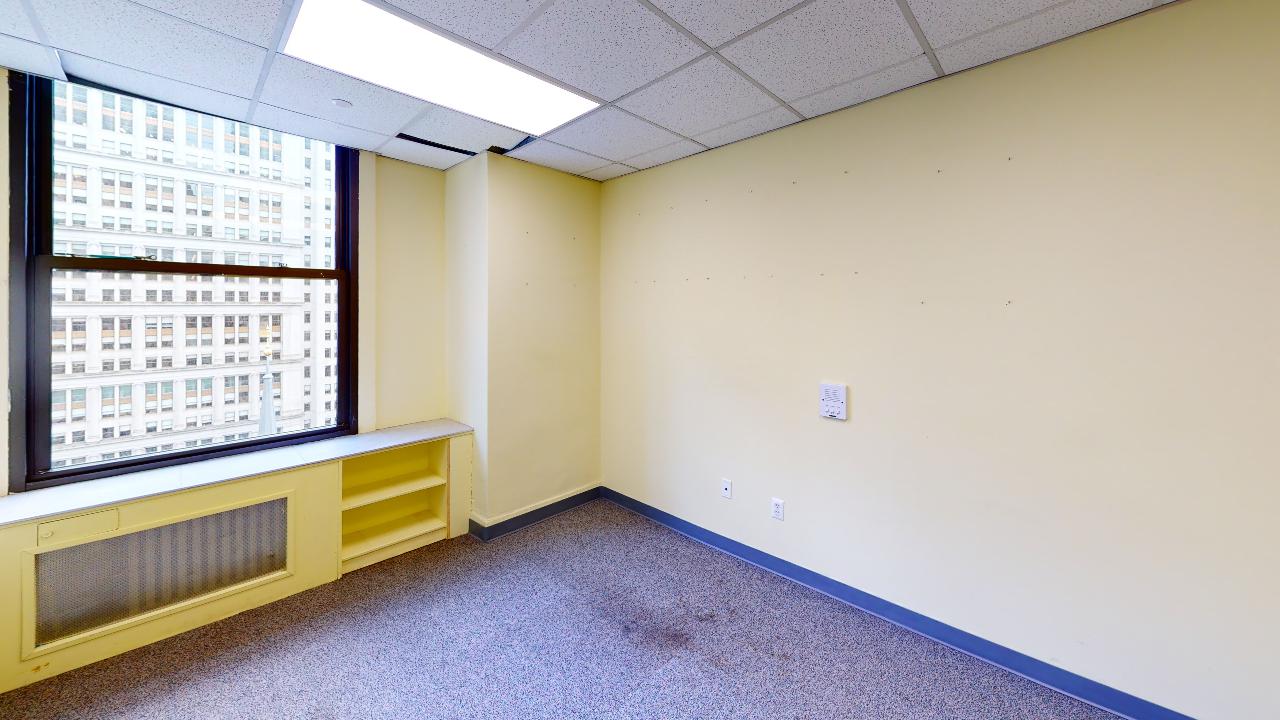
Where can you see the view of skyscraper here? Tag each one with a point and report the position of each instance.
(148, 363)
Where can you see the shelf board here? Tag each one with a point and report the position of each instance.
(391, 551)
(360, 542)
(379, 490)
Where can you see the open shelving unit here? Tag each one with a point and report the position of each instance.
(393, 501)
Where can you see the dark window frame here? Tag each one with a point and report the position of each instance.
(31, 265)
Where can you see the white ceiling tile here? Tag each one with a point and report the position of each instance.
(1053, 24)
(14, 21)
(719, 21)
(609, 172)
(543, 152)
(27, 56)
(613, 134)
(310, 90)
(287, 121)
(702, 96)
(481, 21)
(250, 20)
(449, 127)
(123, 33)
(946, 21)
(419, 154)
(745, 128)
(666, 154)
(605, 47)
(884, 82)
(824, 44)
(156, 87)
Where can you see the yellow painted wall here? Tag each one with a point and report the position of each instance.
(409, 282)
(467, 334)
(544, 337)
(524, 330)
(1051, 285)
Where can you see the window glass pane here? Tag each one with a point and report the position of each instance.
(166, 370)
(195, 185)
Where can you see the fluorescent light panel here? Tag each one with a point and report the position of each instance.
(367, 42)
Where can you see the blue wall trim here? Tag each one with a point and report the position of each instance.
(496, 530)
(1094, 693)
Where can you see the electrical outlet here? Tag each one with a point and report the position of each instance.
(726, 488)
(777, 509)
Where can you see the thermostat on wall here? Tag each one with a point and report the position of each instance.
(832, 403)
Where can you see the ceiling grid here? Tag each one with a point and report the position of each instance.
(672, 77)
(283, 23)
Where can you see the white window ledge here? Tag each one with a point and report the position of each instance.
(89, 494)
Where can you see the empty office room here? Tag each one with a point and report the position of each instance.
(640, 359)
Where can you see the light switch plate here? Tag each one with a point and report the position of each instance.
(833, 403)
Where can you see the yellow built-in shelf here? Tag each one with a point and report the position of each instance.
(369, 493)
(360, 542)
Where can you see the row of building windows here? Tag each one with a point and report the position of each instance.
(153, 449)
(126, 364)
(117, 332)
(124, 223)
(162, 362)
(117, 400)
(116, 404)
(111, 365)
(71, 104)
(168, 254)
(109, 295)
(71, 184)
(204, 163)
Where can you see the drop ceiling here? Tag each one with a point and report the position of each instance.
(674, 77)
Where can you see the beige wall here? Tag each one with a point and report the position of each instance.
(544, 336)
(409, 283)
(524, 333)
(467, 337)
(1051, 285)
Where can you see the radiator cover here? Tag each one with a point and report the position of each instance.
(94, 584)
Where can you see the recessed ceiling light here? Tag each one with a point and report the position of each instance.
(367, 42)
(339, 102)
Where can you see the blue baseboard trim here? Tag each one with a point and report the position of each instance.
(496, 530)
(1081, 688)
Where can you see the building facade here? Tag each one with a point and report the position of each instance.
(148, 363)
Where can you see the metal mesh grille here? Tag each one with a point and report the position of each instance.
(87, 586)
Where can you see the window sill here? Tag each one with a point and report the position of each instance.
(90, 494)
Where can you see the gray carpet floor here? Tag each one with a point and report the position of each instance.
(595, 613)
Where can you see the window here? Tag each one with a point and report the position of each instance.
(108, 111)
(117, 333)
(221, 356)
